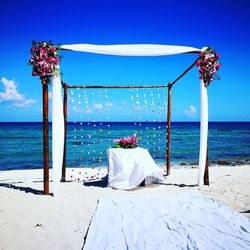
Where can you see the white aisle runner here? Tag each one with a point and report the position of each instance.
(186, 220)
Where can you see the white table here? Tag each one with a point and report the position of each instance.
(127, 168)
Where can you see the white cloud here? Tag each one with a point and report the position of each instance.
(10, 91)
(191, 111)
(88, 110)
(11, 94)
(24, 103)
(97, 106)
(109, 104)
(77, 110)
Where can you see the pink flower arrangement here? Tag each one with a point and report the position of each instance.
(127, 142)
(208, 65)
(45, 60)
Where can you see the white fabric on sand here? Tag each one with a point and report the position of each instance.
(129, 167)
(57, 132)
(185, 220)
(132, 49)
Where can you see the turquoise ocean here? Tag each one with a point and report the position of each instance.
(21, 144)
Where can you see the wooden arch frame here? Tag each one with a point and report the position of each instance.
(66, 87)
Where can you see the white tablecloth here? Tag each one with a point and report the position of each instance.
(129, 167)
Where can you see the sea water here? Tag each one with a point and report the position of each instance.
(21, 143)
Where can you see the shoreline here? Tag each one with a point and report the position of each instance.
(175, 165)
(29, 220)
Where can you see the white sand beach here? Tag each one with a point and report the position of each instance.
(29, 220)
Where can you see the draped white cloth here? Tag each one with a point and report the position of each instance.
(203, 132)
(127, 168)
(120, 50)
(57, 132)
(132, 49)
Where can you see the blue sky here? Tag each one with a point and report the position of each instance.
(221, 24)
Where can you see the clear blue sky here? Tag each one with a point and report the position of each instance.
(222, 24)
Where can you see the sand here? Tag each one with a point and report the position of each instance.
(29, 220)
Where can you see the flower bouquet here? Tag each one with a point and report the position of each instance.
(127, 142)
(44, 60)
(208, 65)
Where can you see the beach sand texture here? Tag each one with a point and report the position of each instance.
(29, 220)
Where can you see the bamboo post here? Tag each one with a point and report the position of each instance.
(45, 138)
(206, 173)
(65, 99)
(168, 128)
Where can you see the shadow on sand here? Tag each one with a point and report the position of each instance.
(104, 183)
(245, 212)
(24, 189)
(97, 183)
(177, 185)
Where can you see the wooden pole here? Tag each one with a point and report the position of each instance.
(65, 99)
(45, 139)
(206, 173)
(168, 128)
(185, 72)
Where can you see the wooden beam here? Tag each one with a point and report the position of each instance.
(185, 72)
(45, 138)
(115, 86)
(65, 101)
(168, 128)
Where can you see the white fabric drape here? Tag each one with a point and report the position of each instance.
(57, 132)
(129, 167)
(132, 49)
(203, 131)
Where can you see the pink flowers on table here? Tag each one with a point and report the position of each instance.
(208, 65)
(127, 142)
(44, 59)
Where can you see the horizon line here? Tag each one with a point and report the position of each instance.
(115, 121)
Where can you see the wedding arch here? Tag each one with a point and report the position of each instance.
(45, 62)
